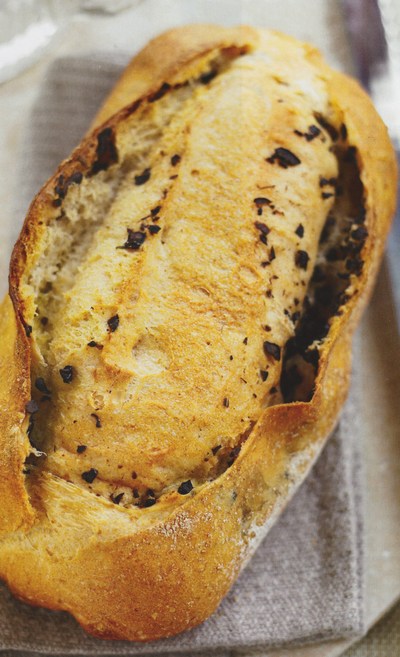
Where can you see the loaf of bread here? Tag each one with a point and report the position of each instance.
(176, 342)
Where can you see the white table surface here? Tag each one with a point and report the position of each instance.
(318, 21)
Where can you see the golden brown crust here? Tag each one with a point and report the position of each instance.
(15, 509)
(170, 572)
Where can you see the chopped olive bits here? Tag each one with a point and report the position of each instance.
(134, 241)
(360, 233)
(301, 259)
(113, 323)
(312, 132)
(185, 487)
(272, 349)
(62, 185)
(263, 228)
(116, 499)
(205, 78)
(93, 343)
(97, 420)
(90, 475)
(106, 151)
(264, 231)
(150, 501)
(233, 454)
(40, 385)
(284, 158)
(142, 178)
(67, 373)
(261, 202)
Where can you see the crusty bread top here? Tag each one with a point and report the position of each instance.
(178, 549)
(190, 325)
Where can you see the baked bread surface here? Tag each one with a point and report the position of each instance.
(174, 382)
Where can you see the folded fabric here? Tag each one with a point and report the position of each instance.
(304, 584)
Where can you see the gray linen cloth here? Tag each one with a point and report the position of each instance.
(305, 582)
